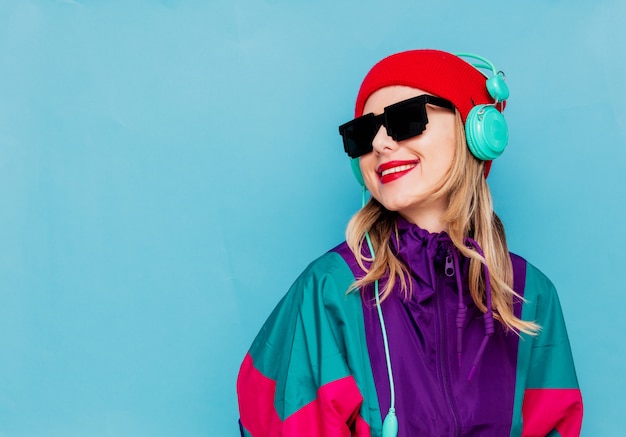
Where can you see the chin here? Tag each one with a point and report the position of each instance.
(400, 206)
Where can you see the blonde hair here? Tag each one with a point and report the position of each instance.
(469, 212)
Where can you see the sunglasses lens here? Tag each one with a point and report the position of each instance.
(358, 135)
(406, 119)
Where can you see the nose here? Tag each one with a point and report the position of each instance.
(382, 142)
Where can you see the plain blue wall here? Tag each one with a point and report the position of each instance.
(167, 168)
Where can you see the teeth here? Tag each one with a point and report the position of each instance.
(397, 169)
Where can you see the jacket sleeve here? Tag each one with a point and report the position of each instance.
(296, 379)
(552, 404)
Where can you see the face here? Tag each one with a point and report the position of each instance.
(403, 175)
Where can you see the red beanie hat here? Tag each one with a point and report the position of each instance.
(436, 72)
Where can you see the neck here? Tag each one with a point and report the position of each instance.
(430, 218)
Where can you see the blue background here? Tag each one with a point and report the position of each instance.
(167, 168)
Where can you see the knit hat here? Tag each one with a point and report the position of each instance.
(436, 72)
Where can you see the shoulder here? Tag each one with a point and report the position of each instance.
(541, 301)
(535, 282)
(325, 279)
(317, 301)
(333, 266)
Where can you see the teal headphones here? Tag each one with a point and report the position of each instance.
(486, 130)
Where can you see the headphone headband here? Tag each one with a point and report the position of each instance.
(488, 65)
(496, 85)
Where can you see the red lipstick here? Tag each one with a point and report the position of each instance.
(392, 170)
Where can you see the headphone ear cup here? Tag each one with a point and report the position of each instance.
(356, 170)
(486, 132)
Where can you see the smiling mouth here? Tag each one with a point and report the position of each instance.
(390, 171)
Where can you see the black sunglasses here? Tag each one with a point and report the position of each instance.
(403, 120)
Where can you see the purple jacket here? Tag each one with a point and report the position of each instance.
(318, 367)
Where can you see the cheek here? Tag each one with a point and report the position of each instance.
(367, 163)
(446, 151)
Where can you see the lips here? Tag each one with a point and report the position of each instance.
(392, 170)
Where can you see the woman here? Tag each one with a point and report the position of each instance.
(421, 323)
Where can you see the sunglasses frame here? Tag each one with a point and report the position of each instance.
(402, 120)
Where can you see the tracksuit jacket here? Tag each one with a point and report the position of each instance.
(318, 367)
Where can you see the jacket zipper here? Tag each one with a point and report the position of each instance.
(443, 355)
